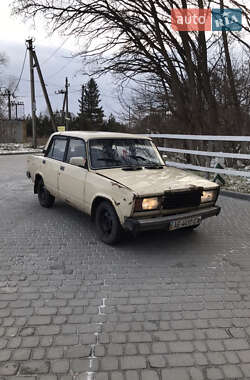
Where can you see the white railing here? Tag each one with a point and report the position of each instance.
(240, 173)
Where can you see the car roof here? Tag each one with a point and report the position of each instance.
(87, 135)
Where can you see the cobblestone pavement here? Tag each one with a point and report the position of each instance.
(161, 307)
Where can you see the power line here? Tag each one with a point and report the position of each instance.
(38, 96)
(21, 73)
(74, 91)
(61, 69)
(37, 81)
(52, 55)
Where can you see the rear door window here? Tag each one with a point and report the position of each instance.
(50, 149)
(57, 149)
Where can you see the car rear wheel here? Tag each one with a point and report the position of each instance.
(45, 198)
(107, 223)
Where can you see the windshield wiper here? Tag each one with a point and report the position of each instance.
(138, 157)
(129, 168)
(153, 166)
(108, 159)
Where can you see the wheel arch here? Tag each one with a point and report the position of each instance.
(98, 199)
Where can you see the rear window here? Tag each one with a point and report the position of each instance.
(57, 149)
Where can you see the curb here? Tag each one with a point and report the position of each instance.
(19, 153)
(234, 194)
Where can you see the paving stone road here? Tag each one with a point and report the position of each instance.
(160, 307)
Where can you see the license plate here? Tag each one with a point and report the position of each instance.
(182, 223)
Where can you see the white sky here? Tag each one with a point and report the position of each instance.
(13, 28)
(55, 64)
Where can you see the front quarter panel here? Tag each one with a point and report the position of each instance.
(121, 197)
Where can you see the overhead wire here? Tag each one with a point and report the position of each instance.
(51, 84)
(52, 55)
(20, 77)
(61, 69)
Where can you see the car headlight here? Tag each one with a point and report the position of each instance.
(208, 196)
(150, 203)
(147, 204)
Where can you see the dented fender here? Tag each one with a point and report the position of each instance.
(123, 201)
(121, 197)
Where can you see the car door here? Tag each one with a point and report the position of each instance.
(72, 178)
(52, 161)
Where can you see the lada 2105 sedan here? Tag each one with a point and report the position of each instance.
(122, 181)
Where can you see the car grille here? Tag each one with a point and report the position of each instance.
(182, 199)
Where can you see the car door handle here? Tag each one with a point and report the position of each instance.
(62, 168)
(44, 162)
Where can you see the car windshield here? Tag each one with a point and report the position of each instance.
(125, 153)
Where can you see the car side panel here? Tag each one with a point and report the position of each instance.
(47, 169)
(50, 170)
(121, 197)
(71, 185)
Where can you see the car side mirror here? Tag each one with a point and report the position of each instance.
(164, 156)
(78, 161)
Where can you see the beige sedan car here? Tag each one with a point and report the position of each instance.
(122, 181)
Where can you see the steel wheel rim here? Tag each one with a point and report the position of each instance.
(106, 222)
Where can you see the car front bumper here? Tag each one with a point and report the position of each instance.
(163, 222)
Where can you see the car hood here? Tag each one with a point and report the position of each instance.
(156, 181)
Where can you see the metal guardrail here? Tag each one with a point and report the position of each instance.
(202, 137)
(229, 172)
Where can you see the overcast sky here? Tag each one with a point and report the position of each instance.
(54, 54)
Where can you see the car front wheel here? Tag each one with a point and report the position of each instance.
(44, 196)
(107, 223)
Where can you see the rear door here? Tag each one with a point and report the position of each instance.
(72, 178)
(52, 162)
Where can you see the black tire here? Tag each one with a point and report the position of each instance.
(45, 198)
(107, 223)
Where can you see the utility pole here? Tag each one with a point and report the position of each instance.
(45, 93)
(9, 103)
(32, 91)
(62, 92)
(35, 63)
(65, 109)
(67, 119)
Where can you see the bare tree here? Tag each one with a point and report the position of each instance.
(135, 38)
(3, 61)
